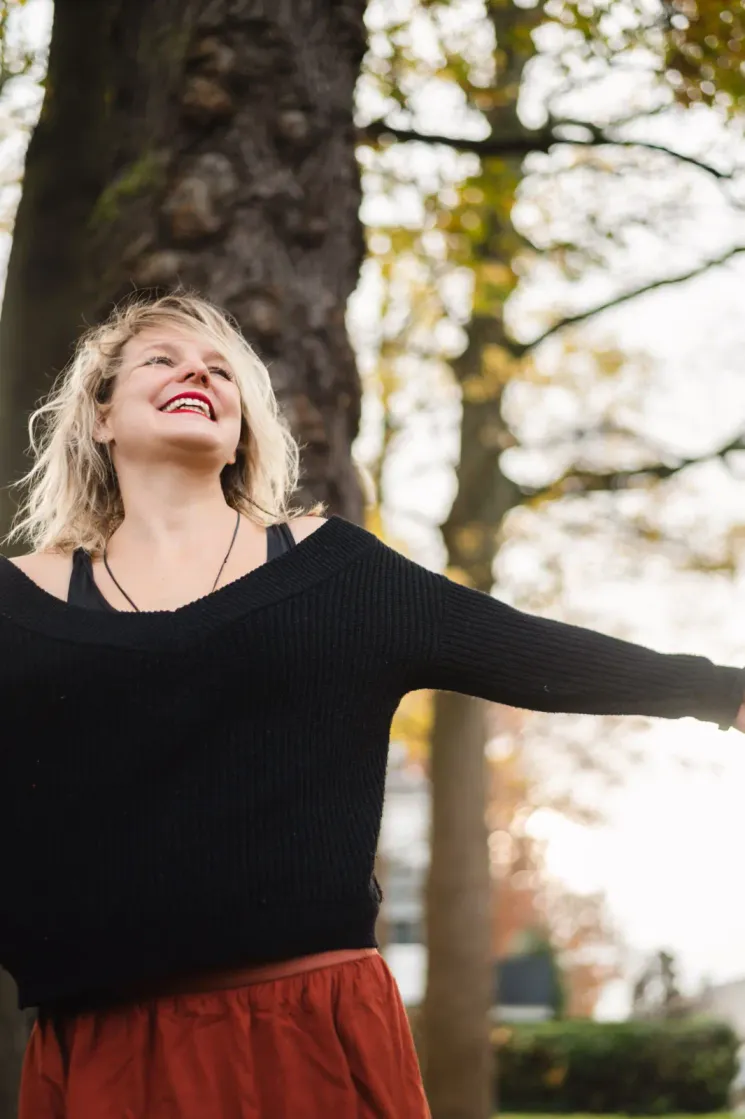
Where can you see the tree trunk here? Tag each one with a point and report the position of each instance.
(455, 1045)
(208, 143)
(460, 1070)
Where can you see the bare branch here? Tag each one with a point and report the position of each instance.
(519, 350)
(637, 115)
(527, 142)
(592, 481)
(520, 144)
(599, 138)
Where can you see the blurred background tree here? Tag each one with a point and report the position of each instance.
(534, 199)
(656, 991)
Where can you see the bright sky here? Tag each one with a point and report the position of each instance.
(669, 855)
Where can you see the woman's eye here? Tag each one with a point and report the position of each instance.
(223, 372)
(158, 358)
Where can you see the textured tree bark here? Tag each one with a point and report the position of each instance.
(207, 143)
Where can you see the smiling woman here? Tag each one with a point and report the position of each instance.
(197, 685)
(122, 374)
(166, 412)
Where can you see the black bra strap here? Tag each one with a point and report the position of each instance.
(279, 540)
(83, 589)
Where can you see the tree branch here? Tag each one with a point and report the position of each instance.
(519, 350)
(522, 144)
(527, 142)
(599, 138)
(580, 482)
(594, 481)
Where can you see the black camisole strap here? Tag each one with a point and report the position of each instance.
(83, 590)
(279, 539)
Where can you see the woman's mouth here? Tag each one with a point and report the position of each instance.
(190, 402)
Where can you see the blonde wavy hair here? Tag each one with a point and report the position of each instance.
(72, 494)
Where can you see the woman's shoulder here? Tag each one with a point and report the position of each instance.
(304, 526)
(49, 570)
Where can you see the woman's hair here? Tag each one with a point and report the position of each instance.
(72, 494)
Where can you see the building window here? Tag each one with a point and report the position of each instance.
(405, 932)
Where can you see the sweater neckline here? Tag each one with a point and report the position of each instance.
(316, 557)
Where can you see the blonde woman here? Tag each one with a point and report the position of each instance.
(197, 687)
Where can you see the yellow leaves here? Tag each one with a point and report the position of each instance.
(500, 1035)
(498, 367)
(469, 540)
(705, 55)
(474, 196)
(476, 390)
(494, 281)
(412, 724)
(374, 521)
(555, 1077)
(609, 362)
(497, 364)
(496, 273)
(458, 576)
(471, 221)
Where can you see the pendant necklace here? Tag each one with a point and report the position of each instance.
(217, 579)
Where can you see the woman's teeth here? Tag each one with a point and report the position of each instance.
(188, 404)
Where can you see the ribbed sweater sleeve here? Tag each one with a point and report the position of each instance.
(482, 647)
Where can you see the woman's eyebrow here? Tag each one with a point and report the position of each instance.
(159, 346)
(213, 355)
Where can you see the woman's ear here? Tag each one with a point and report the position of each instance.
(101, 428)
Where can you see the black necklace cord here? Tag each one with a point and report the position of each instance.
(134, 606)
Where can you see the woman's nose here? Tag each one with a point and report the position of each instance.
(200, 375)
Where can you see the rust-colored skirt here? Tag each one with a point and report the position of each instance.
(331, 1041)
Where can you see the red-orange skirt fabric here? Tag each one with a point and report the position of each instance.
(333, 1042)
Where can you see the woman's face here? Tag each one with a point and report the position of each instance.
(173, 398)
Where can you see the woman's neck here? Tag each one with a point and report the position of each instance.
(169, 513)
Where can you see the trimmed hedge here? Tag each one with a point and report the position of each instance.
(650, 1068)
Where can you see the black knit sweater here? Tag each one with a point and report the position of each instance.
(203, 787)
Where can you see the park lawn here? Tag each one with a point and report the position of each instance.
(714, 1115)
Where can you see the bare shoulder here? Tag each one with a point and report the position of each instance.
(49, 570)
(305, 526)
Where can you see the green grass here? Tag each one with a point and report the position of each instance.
(715, 1115)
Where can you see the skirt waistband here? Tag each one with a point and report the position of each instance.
(262, 973)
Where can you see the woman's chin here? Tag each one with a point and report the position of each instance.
(187, 448)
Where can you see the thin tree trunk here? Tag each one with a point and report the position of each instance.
(207, 143)
(455, 1045)
(460, 1071)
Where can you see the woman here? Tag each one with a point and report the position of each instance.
(198, 683)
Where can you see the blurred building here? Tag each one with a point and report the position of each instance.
(525, 982)
(726, 1002)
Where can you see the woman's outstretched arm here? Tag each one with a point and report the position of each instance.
(480, 646)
